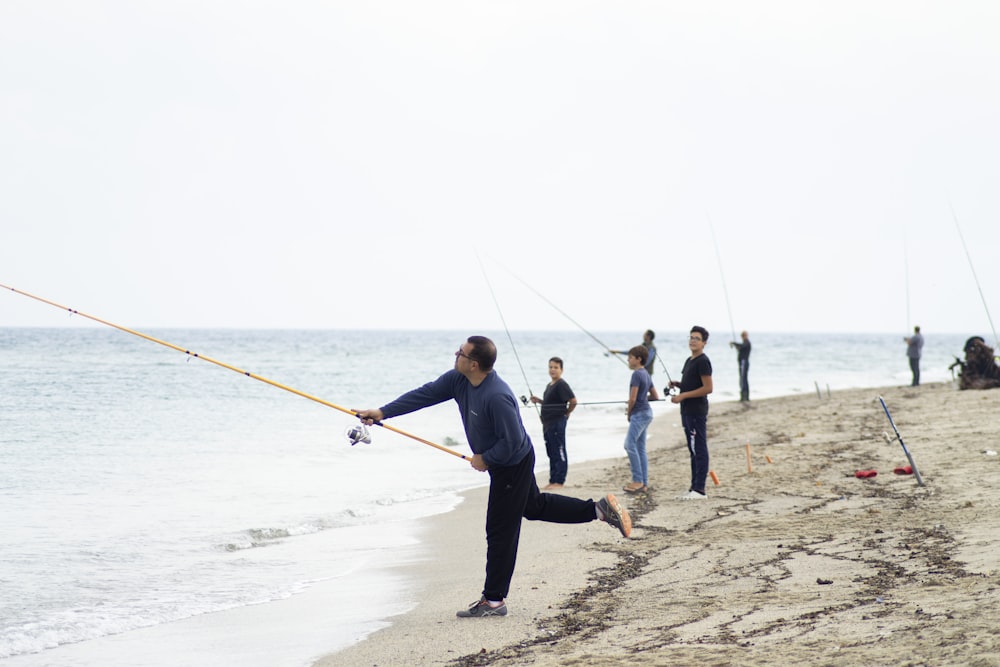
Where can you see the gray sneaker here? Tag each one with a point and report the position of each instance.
(481, 608)
(615, 514)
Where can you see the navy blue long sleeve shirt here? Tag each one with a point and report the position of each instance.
(489, 412)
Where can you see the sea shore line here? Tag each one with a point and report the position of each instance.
(791, 559)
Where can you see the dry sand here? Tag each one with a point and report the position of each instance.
(797, 561)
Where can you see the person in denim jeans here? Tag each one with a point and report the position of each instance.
(640, 415)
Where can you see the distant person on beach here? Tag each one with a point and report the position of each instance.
(647, 342)
(640, 415)
(914, 348)
(558, 401)
(695, 386)
(743, 358)
(502, 448)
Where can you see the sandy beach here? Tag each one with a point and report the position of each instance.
(795, 561)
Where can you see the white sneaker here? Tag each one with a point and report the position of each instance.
(692, 495)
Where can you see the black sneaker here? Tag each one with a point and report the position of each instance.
(482, 608)
(615, 514)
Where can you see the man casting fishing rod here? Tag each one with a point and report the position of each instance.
(647, 342)
(502, 448)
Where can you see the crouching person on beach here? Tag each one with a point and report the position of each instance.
(501, 447)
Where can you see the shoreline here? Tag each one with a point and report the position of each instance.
(796, 560)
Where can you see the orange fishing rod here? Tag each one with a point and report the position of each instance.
(354, 434)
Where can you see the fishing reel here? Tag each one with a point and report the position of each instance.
(358, 433)
(671, 391)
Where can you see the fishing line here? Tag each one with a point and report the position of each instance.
(509, 337)
(353, 434)
(974, 276)
(563, 313)
(651, 400)
(608, 350)
(725, 290)
(906, 279)
(664, 367)
(524, 400)
(722, 275)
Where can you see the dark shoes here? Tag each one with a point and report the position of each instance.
(482, 608)
(615, 514)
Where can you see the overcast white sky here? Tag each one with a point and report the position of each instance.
(341, 164)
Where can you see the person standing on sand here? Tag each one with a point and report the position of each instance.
(695, 386)
(914, 348)
(502, 448)
(640, 416)
(558, 401)
(743, 358)
(647, 342)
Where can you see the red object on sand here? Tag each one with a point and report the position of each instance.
(905, 470)
(863, 474)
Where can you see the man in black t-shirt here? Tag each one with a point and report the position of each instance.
(558, 402)
(695, 386)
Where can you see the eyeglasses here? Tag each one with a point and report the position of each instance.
(459, 353)
(697, 338)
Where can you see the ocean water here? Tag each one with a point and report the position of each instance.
(157, 509)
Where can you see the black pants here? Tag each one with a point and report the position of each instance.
(915, 367)
(745, 380)
(696, 427)
(514, 494)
